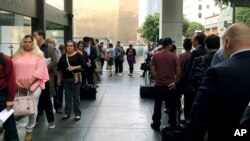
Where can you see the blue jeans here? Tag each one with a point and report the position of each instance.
(9, 126)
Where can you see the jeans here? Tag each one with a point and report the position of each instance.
(161, 93)
(32, 118)
(131, 66)
(72, 93)
(9, 126)
(118, 66)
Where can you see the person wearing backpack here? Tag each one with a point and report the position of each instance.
(182, 82)
(202, 63)
(224, 92)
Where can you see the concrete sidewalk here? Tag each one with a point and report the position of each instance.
(117, 114)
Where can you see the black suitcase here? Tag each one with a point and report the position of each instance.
(147, 91)
(174, 133)
(87, 92)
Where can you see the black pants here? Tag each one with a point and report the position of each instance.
(10, 133)
(161, 93)
(45, 103)
(118, 66)
(89, 75)
(102, 61)
(189, 97)
(58, 98)
(131, 66)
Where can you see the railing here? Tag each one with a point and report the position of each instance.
(9, 48)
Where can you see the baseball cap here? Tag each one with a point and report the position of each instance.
(166, 41)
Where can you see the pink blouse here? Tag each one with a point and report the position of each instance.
(28, 65)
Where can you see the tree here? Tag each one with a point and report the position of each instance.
(150, 28)
(194, 26)
(242, 15)
(242, 3)
(185, 25)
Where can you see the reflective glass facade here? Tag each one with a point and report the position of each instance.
(12, 28)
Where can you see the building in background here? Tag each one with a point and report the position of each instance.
(204, 12)
(153, 6)
(112, 19)
(225, 19)
(146, 8)
(192, 10)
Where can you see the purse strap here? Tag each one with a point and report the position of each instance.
(67, 59)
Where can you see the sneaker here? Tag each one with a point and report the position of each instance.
(59, 111)
(77, 118)
(120, 74)
(130, 74)
(52, 125)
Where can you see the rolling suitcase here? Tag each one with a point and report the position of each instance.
(147, 91)
(174, 133)
(87, 92)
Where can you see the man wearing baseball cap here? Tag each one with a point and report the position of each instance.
(165, 68)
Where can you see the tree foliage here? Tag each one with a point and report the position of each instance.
(242, 15)
(194, 26)
(185, 25)
(150, 28)
(233, 2)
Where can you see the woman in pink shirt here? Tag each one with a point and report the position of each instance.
(31, 73)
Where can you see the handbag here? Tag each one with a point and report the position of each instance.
(24, 103)
(98, 68)
(77, 76)
(145, 66)
(107, 57)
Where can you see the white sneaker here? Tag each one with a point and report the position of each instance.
(120, 74)
(52, 125)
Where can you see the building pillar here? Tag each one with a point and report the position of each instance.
(68, 30)
(171, 16)
(39, 23)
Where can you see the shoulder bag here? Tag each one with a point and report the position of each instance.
(77, 76)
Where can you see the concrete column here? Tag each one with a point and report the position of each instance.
(39, 23)
(171, 16)
(68, 30)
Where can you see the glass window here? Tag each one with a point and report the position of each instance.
(200, 7)
(56, 32)
(12, 29)
(200, 15)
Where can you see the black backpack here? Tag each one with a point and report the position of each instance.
(197, 73)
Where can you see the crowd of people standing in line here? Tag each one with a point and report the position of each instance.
(213, 106)
(50, 74)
